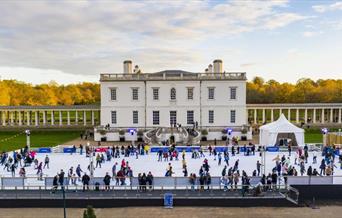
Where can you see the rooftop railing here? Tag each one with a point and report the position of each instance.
(179, 76)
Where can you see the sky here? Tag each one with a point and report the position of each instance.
(75, 41)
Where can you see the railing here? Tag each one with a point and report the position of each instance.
(179, 76)
(149, 191)
(169, 182)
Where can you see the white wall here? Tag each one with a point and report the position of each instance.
(222, 104)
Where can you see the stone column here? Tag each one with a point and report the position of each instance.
(255, 116)
(272, 115)
(306, 115)
(263, 115)
(331, 115)
(12, 117)
(84, 118)
(52, 118)
(28, 121)
(68, 118)
(60, 118)
(92, 118)
(314, 116)
(3, 114)
(297, 115)
(289, 114)
(340, 115)
(19, 117)
(322, 118)
(76, 118)
(44, 118)
(36, 118)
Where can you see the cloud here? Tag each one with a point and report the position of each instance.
(325, 8)
(311, 33)
(90, 37)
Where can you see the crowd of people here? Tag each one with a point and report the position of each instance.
(231, 176)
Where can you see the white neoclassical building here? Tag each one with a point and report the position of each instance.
(133, 99)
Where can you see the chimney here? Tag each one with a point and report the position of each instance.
(218, 66)
(127, 65)
(210, 68)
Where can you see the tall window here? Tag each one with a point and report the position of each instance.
(113, 94)
(211, 116)
(232, 116)
(190, 117)
(135, 117)
(211, 93)
(113, 116)
(155, 93)
(232, 92)
(173, 117)
(135, 94)
(173, 94)
(155, 117)
(190, 93)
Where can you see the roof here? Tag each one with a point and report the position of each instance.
(173, 72)
(282, 125)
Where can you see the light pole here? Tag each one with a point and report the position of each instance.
(64, 202)
(28, 133)
(325, 132)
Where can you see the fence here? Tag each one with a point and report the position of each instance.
(166, 182)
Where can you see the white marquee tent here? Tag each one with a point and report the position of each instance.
(269, 133)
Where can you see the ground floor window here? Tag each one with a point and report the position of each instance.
(113, 116)
(232, 116)
(190, 117)
(211, 116)
(155, 117)
(173, 117)
(135, 117)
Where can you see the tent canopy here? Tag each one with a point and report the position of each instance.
(269, 132)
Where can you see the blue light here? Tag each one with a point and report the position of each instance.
(132, 130)
(229, 131)
(324, 130)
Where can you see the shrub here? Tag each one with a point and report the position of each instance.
(102, 132)
(121, 132)
(89, 212)
(140, 133)
(204, 132)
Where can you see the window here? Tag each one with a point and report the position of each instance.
(173, 94)
(232, 116)
(190, 93)
(232, 92)
(113, 114)
(135, 117)
(211, 93)
(135, 94)
(211, 116)
(155, 117)
(190, 117)
(155, 93)
(113, 94)
(173, 117)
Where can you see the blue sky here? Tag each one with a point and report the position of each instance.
(74, 41)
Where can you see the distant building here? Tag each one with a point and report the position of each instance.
(134, 99)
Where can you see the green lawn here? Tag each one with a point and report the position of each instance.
(38, 138)
(312, 137)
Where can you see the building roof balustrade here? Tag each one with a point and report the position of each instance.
(173, 75)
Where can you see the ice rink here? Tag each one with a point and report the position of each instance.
(146, 163)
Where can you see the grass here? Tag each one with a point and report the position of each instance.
(11, 140)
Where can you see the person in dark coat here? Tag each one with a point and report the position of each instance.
(61, 178)
(106, 181)
(85, 181)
